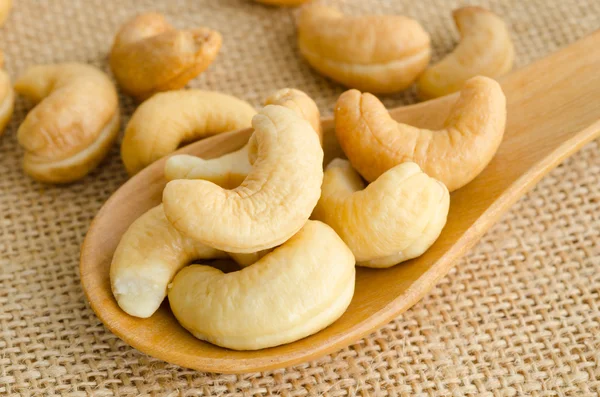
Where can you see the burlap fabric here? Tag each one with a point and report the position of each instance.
(519, 315)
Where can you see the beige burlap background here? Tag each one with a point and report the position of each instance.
(519, 315)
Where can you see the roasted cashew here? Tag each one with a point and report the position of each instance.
(73, 126)
(284, 3)
(485, 49)
(147, 258)
(272, 203)
(394, 219)
(229, 170)
(167, 120)
(150, 56)
(7, 97)
(5, 6)
(295, 291)
(374, 142)
(380, 54)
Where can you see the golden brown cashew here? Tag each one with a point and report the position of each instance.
(296, 290)
(73, 126)
(485, 49)
(381, 54)
(167, 120)
(150, 56)
(5, 6)
(394, 219)
(147, 258)
(7, 97)
(229, 170)
(374, 142)
(272, 203)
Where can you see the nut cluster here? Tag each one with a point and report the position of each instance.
(296, 230)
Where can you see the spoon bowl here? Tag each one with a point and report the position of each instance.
(552, 112)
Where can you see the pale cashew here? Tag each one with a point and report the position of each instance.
(395, 218)
(485, 49)
(7, 97)
(229, 170)
(272, 203)
(75, 123)
(295, 291)
(150, 56)
(5, 6)
(455, 155)
(284, 3)
(169, 119)
(381, 54)
(147, 258)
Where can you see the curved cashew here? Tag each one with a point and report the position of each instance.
(230, 170)
(485, 50)
(5, 6)
(298, 289)
(455, 155)
(272, 203)
(169, 119)
(73, 126)
(7, 97)
(381, 54)
(147, 258)
(284, 3)
(395, 218)
(150, 56)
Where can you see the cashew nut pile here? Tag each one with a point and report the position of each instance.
(253, 205)
(296, 231)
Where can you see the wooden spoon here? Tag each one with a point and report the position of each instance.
(553, 110)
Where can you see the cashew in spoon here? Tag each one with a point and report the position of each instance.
(395, 218)
(167, 120)
(380, 54)
(5, 6)
(272, 203)
(147, 258)
(150, 56)
(486, 49)
(455, 155)
(7, 97)
(295, 291)
(73, 126)
(229, 170)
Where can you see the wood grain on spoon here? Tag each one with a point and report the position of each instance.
(552, 112)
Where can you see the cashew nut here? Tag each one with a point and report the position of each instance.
(73, 126)
(272, 203)
(150, 56)
(245, 260)
(295, 291)
(5, 6)
(381, 54)
(485, 50)
(147, 258)
(7, 97)
(455, 155)
(167, 120)
(228, 171)
(395, 218)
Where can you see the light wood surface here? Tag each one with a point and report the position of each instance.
(553, 110)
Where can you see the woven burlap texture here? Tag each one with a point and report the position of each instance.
(519, 315)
